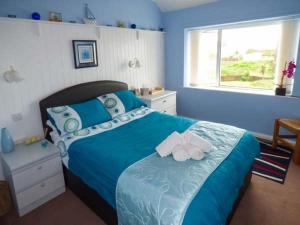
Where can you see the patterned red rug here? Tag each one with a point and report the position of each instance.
(272, 163)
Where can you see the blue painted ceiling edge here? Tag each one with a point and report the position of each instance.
(145, 13)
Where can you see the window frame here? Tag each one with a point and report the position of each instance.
(220, 27)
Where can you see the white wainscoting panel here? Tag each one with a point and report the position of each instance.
(42, 53)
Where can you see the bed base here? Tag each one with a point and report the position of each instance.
(93, 200)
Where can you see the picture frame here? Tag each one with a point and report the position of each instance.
(55, 17)
(85, 53)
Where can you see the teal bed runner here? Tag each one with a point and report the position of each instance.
(158, 191)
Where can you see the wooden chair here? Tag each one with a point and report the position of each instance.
(291, 141)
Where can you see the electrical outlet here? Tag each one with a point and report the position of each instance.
(17, 117)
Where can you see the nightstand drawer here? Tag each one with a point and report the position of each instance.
(164, 103)
(35, 174)
(40, 190)
(170, 110)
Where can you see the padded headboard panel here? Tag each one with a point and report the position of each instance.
(78, 93)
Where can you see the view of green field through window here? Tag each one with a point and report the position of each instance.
(248, 56)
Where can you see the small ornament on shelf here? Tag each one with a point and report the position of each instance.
(55, 17)
(133, 26)
(89, 17)
(121, 24)
(36, 16)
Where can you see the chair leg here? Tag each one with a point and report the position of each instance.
(275, 134)
(296, 156)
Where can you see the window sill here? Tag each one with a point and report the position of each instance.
(240, 90)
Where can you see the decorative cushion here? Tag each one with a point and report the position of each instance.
(120, 102)
(71, 118)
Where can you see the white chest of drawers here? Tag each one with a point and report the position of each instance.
(34, 174)
(164, 102)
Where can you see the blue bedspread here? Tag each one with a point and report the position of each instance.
(99, 160)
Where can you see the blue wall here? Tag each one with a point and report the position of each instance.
(249, 111)
(144, 13)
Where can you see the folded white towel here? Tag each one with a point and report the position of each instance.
(194, 139)
(180, 154)
(195, 152)
(166, 147)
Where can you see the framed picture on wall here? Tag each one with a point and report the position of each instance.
(85, 53)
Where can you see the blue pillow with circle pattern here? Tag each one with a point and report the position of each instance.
(120, 102)
(71, 118)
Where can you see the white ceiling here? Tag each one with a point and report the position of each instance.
(171, 5)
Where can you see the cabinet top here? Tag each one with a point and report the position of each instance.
(24, 155)
(157, 96)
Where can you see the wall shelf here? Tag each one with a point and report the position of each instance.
(72, 24)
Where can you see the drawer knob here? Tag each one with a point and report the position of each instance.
(164, 101)
(40, 167)
(42, 185)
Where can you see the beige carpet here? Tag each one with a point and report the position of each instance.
(270, 203)
(265, 203)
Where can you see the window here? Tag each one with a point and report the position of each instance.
(248, 56)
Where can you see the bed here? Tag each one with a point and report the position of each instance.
(93, 174)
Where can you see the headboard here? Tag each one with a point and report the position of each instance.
(78, 93)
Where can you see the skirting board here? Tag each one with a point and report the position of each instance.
(263, 136)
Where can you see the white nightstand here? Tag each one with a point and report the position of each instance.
(34, 174)
(164, 102)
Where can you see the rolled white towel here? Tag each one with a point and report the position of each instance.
(194, 139)
(195, 152)
(180, 154)
(166, 147)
